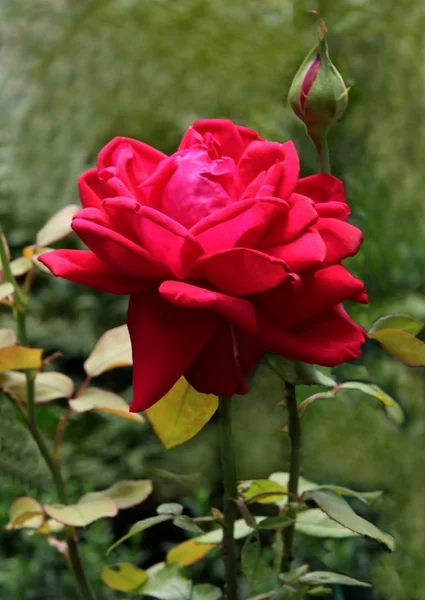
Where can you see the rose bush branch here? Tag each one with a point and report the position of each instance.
(30, 419)
(294, 430)
(230, 494)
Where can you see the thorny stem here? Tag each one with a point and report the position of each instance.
(294, 427)
(230, 495)
(31, 421)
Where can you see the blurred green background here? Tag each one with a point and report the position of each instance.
(75, 73)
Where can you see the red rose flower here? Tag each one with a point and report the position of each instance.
(225, 252)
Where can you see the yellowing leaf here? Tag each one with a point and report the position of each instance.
(188, 552)
(94, 398)
(6, 290)
(408, 324)
(83, 513)
(39, 264)
(57, 227)
(113, 349)
(7, 338)
(401, 345)
(19, 357)
(25, 512)
(263, 491)
(123, 577)
(48, 386)
(20, 266)
(181, 414)
(124, 493)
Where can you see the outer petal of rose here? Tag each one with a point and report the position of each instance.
(259, 157)
(165, 341)
(145, 158)
(330, 339)
(301, 216)
(91, 189)
(322, 188)
(241, 271)
(335, 210)
(341, 239)
(226, 133)
(225, 362)
(122, 254)
(95, 215)
(165, 239)
(292, 304)
(82, 266)
(240, 224)
(306, 252)
(248, 135)
(236, 310)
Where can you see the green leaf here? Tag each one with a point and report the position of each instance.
(25, 512)
(255, 566)
(113, 349)
(93, 398)
(20, 266)
(57, 227)
(216, 536)
(401, 345)
(340, 511)
(20, 357)
(365, 497)
(327, 578)
(187, 524)
(393, 410)
(170, 508)
(262, 491)
(275, 523)
(282, 479)
(298, 373)
(139, 527)
(124, 493)
(320, 591)
(316, 523)
(181, 414)
(188, 552)
(412, 326)
(205, 591)
(6, 289)
(123, 577)
(168, 584)
(49, 385)
(7, 338)
(83, 513)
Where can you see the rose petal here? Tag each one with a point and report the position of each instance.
(335, 210)
(290, 305)
(322, 188)
(165, 341)
(226, 133)
(225, 362)
(91, 189)
(121, 253)
(165, 239)
(237, 310)
(329, 340)
(259, 157)
(240, 224)
(82, 266)
(341, 239)
(241, 271)
(306, 252)
(301, 216)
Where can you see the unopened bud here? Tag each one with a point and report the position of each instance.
(318, 94)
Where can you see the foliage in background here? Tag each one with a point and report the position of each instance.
(74, 74)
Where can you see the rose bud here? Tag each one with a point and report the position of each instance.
(318, 94)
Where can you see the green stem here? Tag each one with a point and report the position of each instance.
(31, 420)
(294, 426)
(321, 144)
(230, 495)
